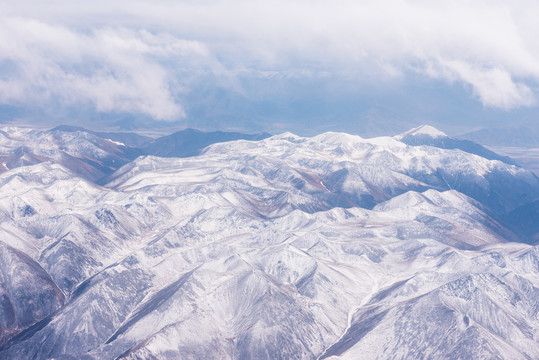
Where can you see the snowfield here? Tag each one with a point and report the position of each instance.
(331, 247)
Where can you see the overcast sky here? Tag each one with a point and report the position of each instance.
(270, 65)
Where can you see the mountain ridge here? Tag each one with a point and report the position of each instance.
(286, 247)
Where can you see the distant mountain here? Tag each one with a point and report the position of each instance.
(426, 131)
(187, 142)
(525, 136)
(129, 139)
(190, 142)
(427, 135)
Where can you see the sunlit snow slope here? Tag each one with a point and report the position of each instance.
(295, 248)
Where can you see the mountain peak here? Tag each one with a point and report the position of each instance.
(337, 138)
(286, 136)
(423, 130)
(69, 128)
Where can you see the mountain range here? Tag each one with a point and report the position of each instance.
(235, 246)
(93, 155)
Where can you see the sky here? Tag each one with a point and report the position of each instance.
(366, 67)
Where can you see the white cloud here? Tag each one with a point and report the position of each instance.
(493, 86)
(126, 54)
(115, 69)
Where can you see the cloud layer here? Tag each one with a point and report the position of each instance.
(115, 69)
(140, 56)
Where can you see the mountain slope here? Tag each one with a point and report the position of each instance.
(333, 246)
(87, 155)
(129, 139)
(427, 135)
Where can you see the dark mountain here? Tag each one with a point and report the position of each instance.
(525, 220)
(524, 136)
(190, 142)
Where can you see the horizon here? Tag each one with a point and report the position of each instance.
(270, 66)
(170, 131)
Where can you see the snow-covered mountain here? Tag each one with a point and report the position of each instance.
(427, 135)
(128, 139)
(327, 247)
(93, 155)
(85, 154)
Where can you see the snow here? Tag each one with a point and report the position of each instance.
(287, 136)
(332, 247)
(81, 152)
(423, 130)
(116, 142)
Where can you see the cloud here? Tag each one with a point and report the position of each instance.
(114, 69)
(140, 55)
(493, 86)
